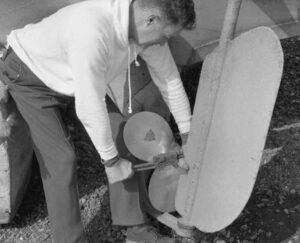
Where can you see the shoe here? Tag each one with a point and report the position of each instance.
(146, 234)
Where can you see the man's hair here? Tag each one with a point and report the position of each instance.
(176, 11)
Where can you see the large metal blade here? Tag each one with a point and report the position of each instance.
(225, 176)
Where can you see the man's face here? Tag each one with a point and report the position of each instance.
(155, 32)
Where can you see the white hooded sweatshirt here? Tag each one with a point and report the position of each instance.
(83, 47)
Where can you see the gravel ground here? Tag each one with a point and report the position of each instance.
(271, 215)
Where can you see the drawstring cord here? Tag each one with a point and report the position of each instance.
(129, 82)
(137, 64)
(129, 76)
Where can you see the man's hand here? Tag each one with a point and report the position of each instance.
(119, 171)
(181, 163)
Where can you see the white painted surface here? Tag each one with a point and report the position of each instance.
(224, 178)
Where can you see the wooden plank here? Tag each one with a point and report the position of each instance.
(4, 190)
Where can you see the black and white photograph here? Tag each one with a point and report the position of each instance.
(149, 121)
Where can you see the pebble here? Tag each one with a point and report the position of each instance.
(269, 234)
(93, 203)
(244, 227)
(220, 241)
(253, 237)
(260, 205)
(82, 200)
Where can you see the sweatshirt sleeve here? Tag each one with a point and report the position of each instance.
(88, 56)
(165, 75)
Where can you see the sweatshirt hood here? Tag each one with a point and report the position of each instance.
(121, 21)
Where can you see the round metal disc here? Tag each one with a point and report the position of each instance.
(163, 187)
(147, 134)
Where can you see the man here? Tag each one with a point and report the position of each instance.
(80, 51)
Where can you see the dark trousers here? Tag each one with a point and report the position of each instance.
(41, 108)
(128, 199)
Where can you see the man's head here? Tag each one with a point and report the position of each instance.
(155, 21)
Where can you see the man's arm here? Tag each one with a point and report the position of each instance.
(165, 75)
(88, 59)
